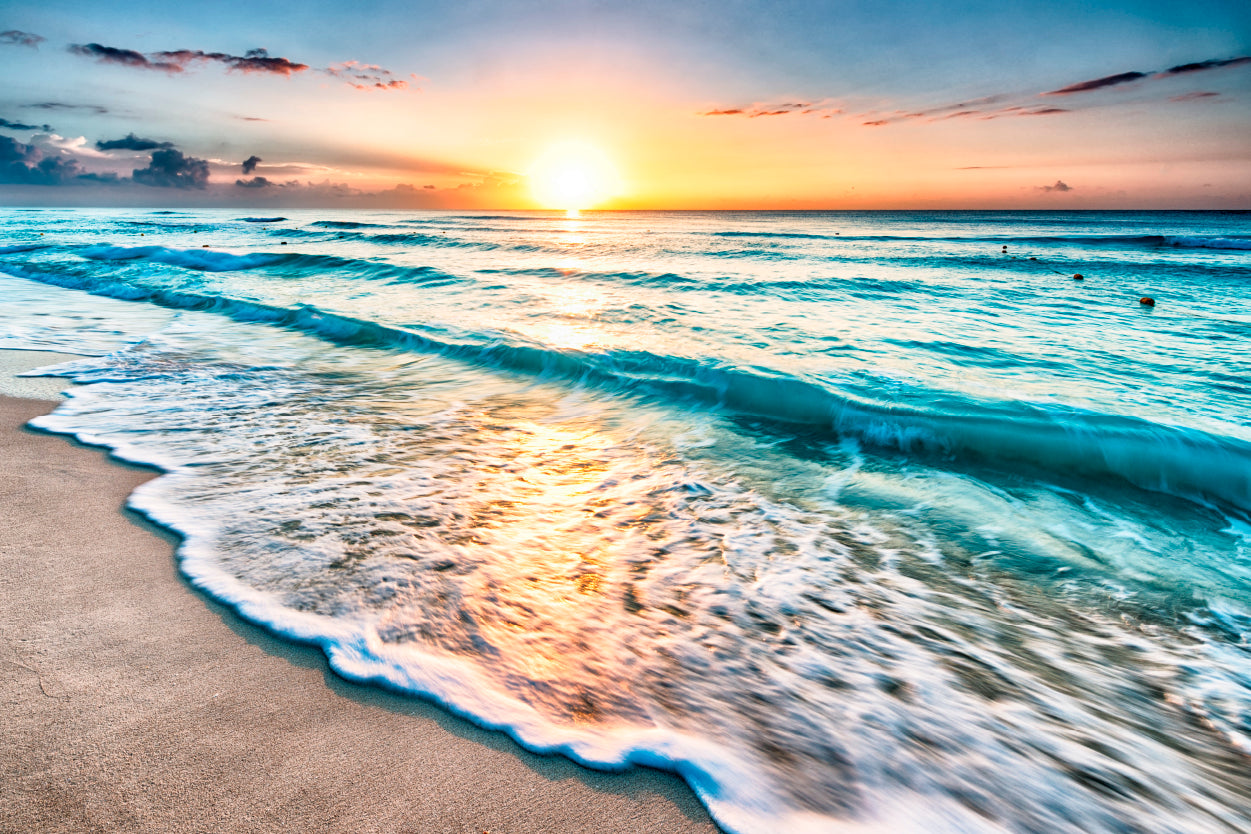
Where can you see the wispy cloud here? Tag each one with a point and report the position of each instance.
(757, 111)
(5, 123)
(255, 182)
(60, 105)
(1195, 96)
(1215, 63)
(1059, 186)
(16, 37)
(996, 106)
(131, 142)
(365, 76)
(1097, 83)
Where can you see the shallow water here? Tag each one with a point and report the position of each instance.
(854, 520)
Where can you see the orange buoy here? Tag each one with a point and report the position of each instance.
(1147, 301)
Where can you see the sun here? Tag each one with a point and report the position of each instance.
(573, 176)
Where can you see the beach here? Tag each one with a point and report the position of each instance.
(134, 703)
(854, 521)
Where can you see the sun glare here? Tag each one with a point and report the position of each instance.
(573, 176)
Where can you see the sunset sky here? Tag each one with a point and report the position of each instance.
(735, 104)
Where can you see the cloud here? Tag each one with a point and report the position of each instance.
(255, 182)
(254, 60)
(758, 110)
(249, 164)
(15, 37)
(1059, 186)
(131, 142)
(123, 57)
(19, 126)
(1194, 96)
(107, 178)
(1097, 84)
(60, 105)
(1213, 63)
(27, 165)
(999, 106)
(365, 76)
(170, 169)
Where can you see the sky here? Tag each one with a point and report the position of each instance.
(737, 104)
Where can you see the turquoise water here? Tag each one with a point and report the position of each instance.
(856, 520)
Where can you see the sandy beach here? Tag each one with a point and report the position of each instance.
(133, 703)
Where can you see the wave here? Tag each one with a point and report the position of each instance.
(1151, 241)
(1161, 458)
(262, 219)
(1193, 242)
(799, 235)
(198, 259)
(21, 247)
(211, 261)
(346, 224)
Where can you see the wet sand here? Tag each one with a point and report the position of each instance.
(131, 702)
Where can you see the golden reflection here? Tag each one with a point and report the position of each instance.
(569, 336)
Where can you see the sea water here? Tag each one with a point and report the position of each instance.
(858, 521)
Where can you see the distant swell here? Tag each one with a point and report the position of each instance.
(345, 224)
(1180, 461)
(1148, 241)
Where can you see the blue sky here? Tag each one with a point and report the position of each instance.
(743, 104)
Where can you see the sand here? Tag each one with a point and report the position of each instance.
(131, 702)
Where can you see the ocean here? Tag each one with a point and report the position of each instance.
(857, 521)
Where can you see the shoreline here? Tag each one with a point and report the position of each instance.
(133, 701)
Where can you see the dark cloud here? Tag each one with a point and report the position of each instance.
(60, 105)
(1213, 63)
(108, 178)
(365, 76)
(1043, 111)
(26, 165)
(249, 164)
(733, 111)
(170, 169)
(251, 119)
(19, 126)
(1097, 84)
(131, 142)
(254, 60)
(15, 37)
(255, 182)
(124, 57)
(1059, 186)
